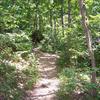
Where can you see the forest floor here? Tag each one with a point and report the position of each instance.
(48, 83)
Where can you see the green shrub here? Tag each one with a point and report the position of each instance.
(76, 82)
(30, 72)
(8, 82)
(13, 79)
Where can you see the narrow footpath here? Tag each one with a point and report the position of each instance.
(48, 83)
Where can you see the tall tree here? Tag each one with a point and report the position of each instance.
(51, 24)
(36, 21)
(62, 14)
(55, 25)
(88, 39)
(69, 12)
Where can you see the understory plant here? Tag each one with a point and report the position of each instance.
(76, 84)
(18, 70)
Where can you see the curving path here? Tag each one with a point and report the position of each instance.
(48, 84)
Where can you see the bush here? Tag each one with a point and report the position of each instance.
(76, 82)
(15, 76)
(9, 83)
(13, 79)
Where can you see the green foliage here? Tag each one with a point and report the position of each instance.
(76, 82)
(9, 83)
(14, 79)
(30, 72)
(97, 55)
(19, 18)
(16, 41)
(6, 47)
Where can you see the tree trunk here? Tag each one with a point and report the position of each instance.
(36, 22)
(62, 14)
(69, 13)
(51, 19)
(88, 40)
(55, 26)
(40, 22)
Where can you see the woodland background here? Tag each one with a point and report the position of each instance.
(58, 23)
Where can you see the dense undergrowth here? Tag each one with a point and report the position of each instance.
(19, 18)
(75, 81)
(18, 70)
(76, 84)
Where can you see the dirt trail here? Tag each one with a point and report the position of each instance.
(48, 84)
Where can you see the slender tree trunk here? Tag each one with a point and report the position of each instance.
(69, 34)
(36, 24)
(51, 25)
(40, 22)
(62, 14)
(55, 26)
(88, 40)
(69, 13)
